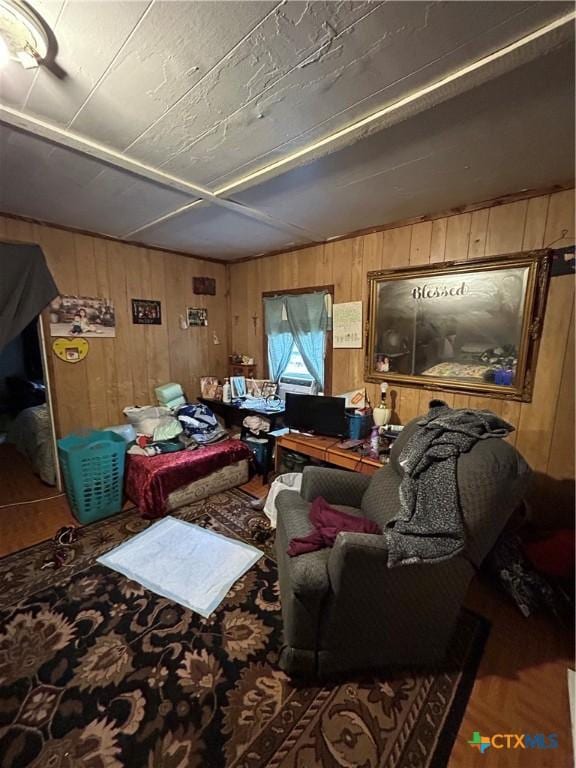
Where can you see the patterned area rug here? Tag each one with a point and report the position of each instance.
(97, 672)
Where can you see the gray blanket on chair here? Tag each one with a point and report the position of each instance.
(429, 525)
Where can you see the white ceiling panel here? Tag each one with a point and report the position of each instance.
(295, 34)
(174, 48)
(61, 186)
(167, 101)
(208, 230)
(396, 49)
(89, 34)
(498, 138)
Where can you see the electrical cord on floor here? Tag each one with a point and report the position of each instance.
(31, 501)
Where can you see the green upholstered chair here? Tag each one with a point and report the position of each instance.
(343, 609)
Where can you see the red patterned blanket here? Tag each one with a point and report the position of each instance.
(151, 479)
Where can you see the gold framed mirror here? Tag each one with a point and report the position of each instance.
(465, 326)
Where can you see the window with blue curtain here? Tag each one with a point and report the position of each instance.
(296, 326)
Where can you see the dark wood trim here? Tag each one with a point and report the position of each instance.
(328, 359)
(228, 295)
(110, 238)
(313, 289)
(456, 211)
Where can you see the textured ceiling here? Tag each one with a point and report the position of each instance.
(165, 103)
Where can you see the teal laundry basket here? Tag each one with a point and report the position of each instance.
(93, 469)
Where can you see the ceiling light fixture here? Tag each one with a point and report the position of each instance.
(23, 35)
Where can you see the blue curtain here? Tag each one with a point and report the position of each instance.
(279, 335)
(300, 319)
(279, 351)
(311, 347)
(309, 320)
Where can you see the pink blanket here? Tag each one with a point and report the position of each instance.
(328, 523)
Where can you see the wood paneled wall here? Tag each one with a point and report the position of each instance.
(545, 427)
(124, 370)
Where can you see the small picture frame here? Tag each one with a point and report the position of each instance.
(269, 389)
(205, 286)
(261, 387)
(197, 317)
(72, 354)
(209, 387)
(238, 386)
(146, 312)
(70, 350)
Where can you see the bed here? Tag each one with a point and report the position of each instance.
(453, 369)
(31, 433)
(160, 484)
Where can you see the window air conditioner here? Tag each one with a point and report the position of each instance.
(295, 386)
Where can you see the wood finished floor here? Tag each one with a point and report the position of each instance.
(17, 480)
(521, 683)
(28, 513)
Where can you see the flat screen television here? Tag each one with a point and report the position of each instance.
(316, 414)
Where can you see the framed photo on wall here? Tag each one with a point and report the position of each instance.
(146, 312)
(204, 286)
(86, 316)
(469, 326)
(197, 316)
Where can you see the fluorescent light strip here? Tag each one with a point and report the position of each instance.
(400, 103)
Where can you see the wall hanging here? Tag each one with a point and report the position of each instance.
(468, 326)
(146, 312)
(347, 325)
(197, 316)
(204, 285)
(70, 350)
(82, 316)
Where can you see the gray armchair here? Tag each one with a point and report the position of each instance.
(343, 609)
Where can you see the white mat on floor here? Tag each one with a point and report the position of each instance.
(183, 562)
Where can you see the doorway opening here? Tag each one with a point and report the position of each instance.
(27, 441)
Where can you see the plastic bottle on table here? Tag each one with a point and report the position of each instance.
(374, 443)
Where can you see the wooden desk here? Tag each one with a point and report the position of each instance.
(340, 457)
(325, 449)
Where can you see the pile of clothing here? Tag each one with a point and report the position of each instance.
(536, 569)
(162, 430)
(256, 424)
(199, 424)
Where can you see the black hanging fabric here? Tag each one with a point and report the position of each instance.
(31, 351)
(26, 287)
